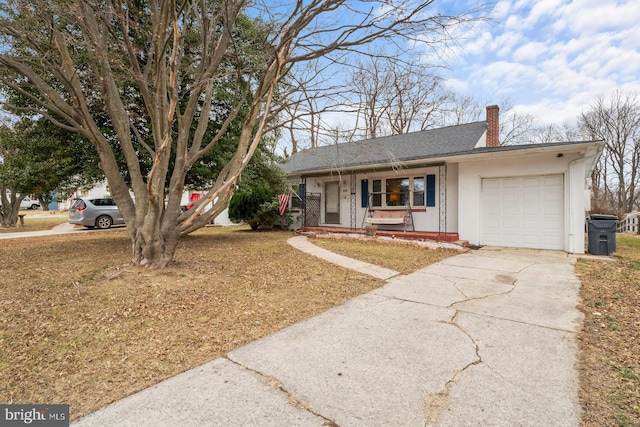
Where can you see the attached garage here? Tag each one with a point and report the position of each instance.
(524, 212)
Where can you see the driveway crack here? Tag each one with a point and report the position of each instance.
(436, 403)
(275, 383)
(513, 286)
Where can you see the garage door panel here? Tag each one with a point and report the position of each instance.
(510, 183)
(510, 211)
(510, 196)
(553, 194)
(554, 181)
(552, 225)
(553, 211)
(510, 224)
(510, 239)
(490, 184)
(530, 224)
(523, 212)
(531, 239)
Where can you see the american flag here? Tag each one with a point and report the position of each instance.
(283, 203)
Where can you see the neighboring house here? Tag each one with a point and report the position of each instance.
(455, 182)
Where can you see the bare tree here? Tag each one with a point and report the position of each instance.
(306, 95)
(463, 109)
(369, 84)
(616, 121)
(156, 69)
(416, 99)
(555, 133)
(396, 96)
(515, 128)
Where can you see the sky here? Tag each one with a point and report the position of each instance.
(550, 58)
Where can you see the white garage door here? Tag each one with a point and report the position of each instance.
(523, 212)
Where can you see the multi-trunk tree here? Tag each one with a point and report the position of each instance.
(170, 77)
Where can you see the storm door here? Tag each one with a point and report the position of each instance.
(332, 202)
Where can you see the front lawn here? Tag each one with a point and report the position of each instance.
(80, 326)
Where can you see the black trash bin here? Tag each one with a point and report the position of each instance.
(601, 230)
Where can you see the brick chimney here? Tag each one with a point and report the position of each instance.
(493, 126)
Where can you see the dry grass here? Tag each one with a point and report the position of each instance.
(398, 255)
(610, 339)
(36, 221)
(79, 326)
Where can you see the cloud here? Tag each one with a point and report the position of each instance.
(542, 10)
(588, 17)
(550, 55)
(529, 52)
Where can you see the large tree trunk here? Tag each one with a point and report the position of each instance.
(10, 207)
(154, 248)
(8, 219)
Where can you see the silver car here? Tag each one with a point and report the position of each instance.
(95, 212)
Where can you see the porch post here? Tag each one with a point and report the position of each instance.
(442, 202)
(352, 200)
(304, 202)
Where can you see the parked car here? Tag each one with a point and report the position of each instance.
(29, 203)
(95, 212)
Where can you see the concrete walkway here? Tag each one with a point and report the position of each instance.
(485, 338)
(64, 228)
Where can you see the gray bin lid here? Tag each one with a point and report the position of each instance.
(604, 217)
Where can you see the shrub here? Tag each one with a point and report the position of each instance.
(244, 205)
(268, 217)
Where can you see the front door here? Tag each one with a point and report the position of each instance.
(332, 202)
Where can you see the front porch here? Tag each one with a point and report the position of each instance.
(410, 235)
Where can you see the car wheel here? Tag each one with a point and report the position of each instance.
(33, 207)
(103, 222)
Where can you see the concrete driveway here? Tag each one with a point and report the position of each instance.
(485, 338)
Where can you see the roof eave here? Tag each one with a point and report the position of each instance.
(591, 149)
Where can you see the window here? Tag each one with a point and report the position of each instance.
(298, 196)
(103, 202)
(397, 191)
(376, 193)
(392, 192)
(418, 191)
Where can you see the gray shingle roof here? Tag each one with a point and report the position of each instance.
(426, 144)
